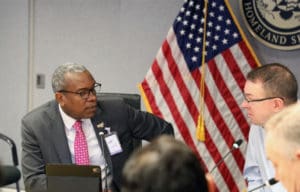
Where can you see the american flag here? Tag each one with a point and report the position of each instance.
(171, 88)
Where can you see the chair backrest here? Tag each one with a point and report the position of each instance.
(134, 100)
(10, 174)
(13, 148)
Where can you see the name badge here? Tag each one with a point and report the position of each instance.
(113, 143)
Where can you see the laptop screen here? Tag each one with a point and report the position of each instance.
(75, 178)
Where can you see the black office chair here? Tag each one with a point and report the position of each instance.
(10, 174)
(132, 99)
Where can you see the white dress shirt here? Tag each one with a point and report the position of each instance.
(258, 168)
(95, 153)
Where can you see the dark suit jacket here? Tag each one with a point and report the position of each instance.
(44, 139)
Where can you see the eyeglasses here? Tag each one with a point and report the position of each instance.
(85, 93)
(262, 99)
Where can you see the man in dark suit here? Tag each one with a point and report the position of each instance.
(48, 132)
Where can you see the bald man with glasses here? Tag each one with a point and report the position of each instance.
(68, 130)
(268, 89)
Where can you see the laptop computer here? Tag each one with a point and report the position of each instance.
(75, 178)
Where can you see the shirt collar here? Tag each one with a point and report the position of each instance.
(68, 120)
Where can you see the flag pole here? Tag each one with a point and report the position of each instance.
(200, 132)
(242, 33)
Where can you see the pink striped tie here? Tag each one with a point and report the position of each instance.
(80, 145)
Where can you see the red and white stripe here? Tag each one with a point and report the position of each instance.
(173, 93)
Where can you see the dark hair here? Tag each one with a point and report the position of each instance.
(166, 165)
(278, 81)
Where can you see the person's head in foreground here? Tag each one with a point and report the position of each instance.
(283, 146)
(268, 89)
(165, 165)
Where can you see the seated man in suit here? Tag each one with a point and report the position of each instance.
(69, 130)
(165, 165)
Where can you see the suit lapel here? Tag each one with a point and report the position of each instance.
(99, 125)
(58, 134)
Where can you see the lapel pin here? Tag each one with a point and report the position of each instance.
(100, 125)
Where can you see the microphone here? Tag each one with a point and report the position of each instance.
(268, 183)
(235, 145)
(101, 134)
(9, 175)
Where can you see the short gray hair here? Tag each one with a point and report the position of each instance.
(285, 126)
(58, 79)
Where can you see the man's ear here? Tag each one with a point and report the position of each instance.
(59, 97)
(210, 183)
(278, 104)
